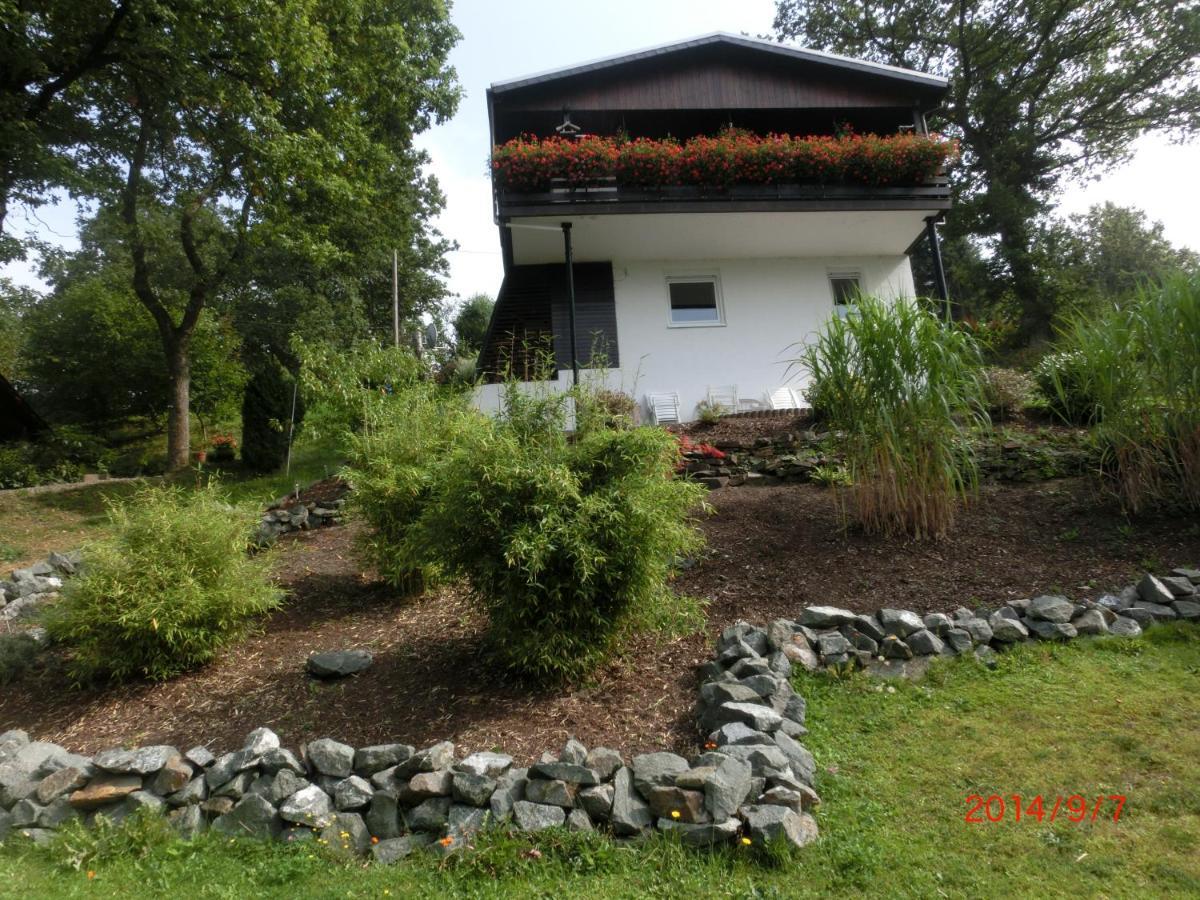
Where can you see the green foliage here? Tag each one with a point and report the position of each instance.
(63, 454)
(17, 653)
(899, 388)
(710, 412)
(170, 587)
(604, 408)
(1139, 368)
(1005, 391)
(470, 325)
(79, 846)
(1065, 380)
(267, 416)
(567, 541)
(831, 476)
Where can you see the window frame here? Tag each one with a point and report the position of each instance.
(713, 278)
(843, 309)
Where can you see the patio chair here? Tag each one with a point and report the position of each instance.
(663, 407)
(724, 397)
(786, 398)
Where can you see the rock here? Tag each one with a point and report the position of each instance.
(200, 757)
(144, 800)
(571, 773)
(309, 806)
(537, 816)
(577, 820)
(347, 835)
(431, 784)
(172, 777)
(1157, 612)
(253, 816)
(938, 623)
(1113, 602)
(630, 813)
(352, 793)
(833, 645)
(979, 629)
(986, 655)
(676, 803)
(490, 765)
(26, 813)
(383, 817)
(1125, 627)
(959, 640)
(737, 733)
(925, 643)
(474, 790)
(801, 760)
(329, 757)
(431, 759)
(727, 788)
(597, 801)
(510, 787)
(715, 693)
(1192, 575)
(1045, 630)
(1051, 608)
(1187, 609)
(802, 654)
(702, 835)
(1151, 590)
(217, 806)
(225, 767)
(894, 648)
(858, 640)
(604, 762)
(464, 821)
(653, 769)
(188, 821)
(284, 784)
(237, 786)
(899, 622)
(431, 815)
(394, 849)
(759, 718)
(762, 760)
(573, 753)
(338, 663)
(1006, 630)
(551, 791)
(105, 789)
(63, 781)
(279, 759)
(1180, 587)
(825, 617)
(260, 740)
(768, 823)
(1005, 612)
(144, 761)
(1090, 621)
(781, 796)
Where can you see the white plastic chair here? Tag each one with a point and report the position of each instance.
(663, 407)
(785, 398)
(724, 397)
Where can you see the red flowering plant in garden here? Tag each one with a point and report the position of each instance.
(734, 156)
(687, 445)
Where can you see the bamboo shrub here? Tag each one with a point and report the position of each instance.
(899, 389)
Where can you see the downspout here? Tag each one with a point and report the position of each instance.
(570, 261)
(939, 271)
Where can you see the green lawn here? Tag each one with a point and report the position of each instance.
(1099, 717)
(33, 524)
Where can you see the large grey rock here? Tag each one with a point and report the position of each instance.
(1180, 587)
(143, 761)
(1125, 627)
(938, 623)
(194, 791)
(578, 820)
(489, 765)
(225, 767)
(338, 663)
(551, 791)
(801, 761)
(1192, 575)
(801, 653)
(1151, 590)
(604, 762)
(925, 643)
(188, 821)
(237, 786)
(833, 646)
(430, 815)
(573, 753)
(279, 759)
(352, 793)
(572, 773)
(895, 648)
(702, 835)
(329, 757)
(762, 760)
(63, 781)
(959, 640)
(1007, 630)
(431, 759)
(252, 816)
(105, 789)
(260, 740)
(1090, 621)
(1051, 608)
(1187, 609)
(737, 733)
(283, 784)
(652, 769)
(760, 718)
(727, 788)
(474, 790)
(172, 777)
(464, 820)
(1113, 602)
(979, 630)
(597, 801)
(900, 622)
(682, 804)
(346, 835)
(825, 617)
(309, 806)
(1045, 630)
(430, 784)
(768, 822)
(537, 816)
(715, 693)
(510, 787)
(383, 816)
(395, 849)
(630, 813)
(858, 640)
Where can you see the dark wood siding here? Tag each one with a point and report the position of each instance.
(531, 318)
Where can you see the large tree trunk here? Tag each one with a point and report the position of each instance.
(179, 442)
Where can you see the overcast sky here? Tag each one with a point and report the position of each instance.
(506, 40)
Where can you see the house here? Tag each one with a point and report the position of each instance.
(18, 421)
(683, 216)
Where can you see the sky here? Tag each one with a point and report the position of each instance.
(507, 40)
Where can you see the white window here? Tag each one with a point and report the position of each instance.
(695, 300)
(846, 287)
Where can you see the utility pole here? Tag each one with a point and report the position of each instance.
(396, 298)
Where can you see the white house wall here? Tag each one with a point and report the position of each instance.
(769, 307)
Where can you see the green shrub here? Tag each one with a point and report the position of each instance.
(611, 409)
(267, 407)
(17, 653)
(1006, 392)
(170, 587)
(1065, 380)
(899, 388)
(568, 541)
(1140, 363)
(710, 412)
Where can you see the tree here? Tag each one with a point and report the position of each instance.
(1040, 90)
(267, 415)
(470, 325)
(244, 123)
(14, 302)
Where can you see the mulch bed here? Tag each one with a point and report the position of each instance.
(772, 550)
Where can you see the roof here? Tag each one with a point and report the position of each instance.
(17, 419)
(800, 54)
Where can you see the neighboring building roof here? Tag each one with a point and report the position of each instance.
(18, 421)
(801, 54)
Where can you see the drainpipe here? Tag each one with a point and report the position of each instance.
(939, 271)
(570, 258)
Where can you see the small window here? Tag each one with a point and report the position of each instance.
(694, 301)
(846, 287)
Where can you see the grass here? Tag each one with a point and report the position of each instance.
(895, 768)
(33, 524)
